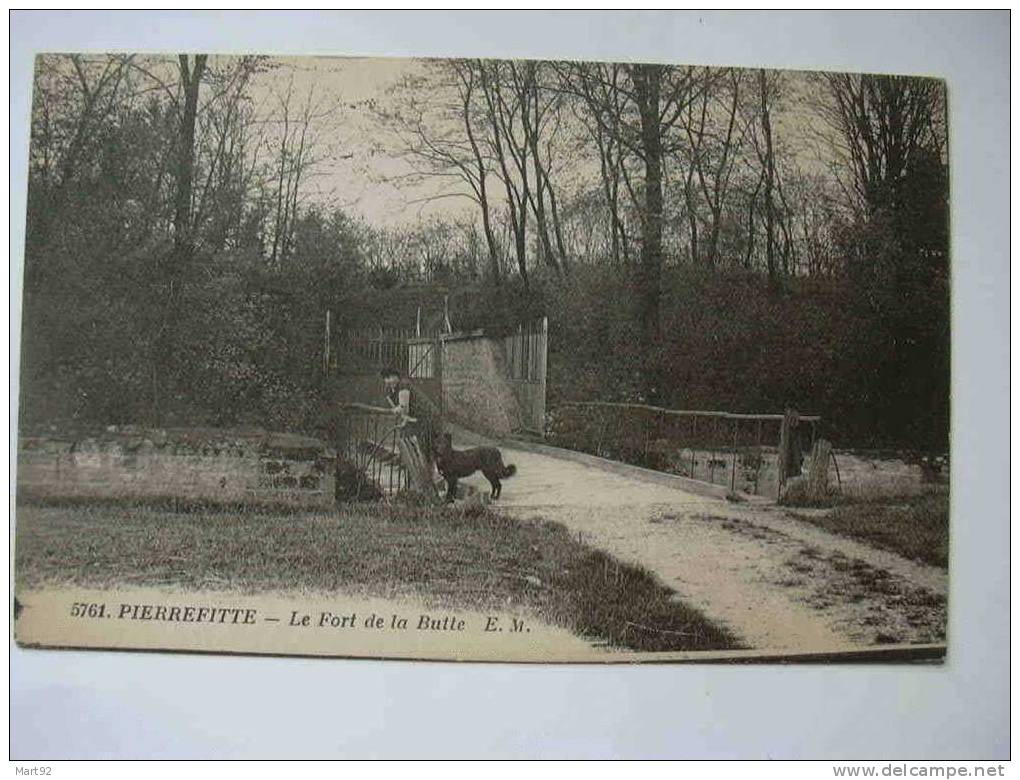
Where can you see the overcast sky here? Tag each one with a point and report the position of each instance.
(350, 173)
(357, 174)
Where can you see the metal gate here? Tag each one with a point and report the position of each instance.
(368, 454)
(421, 358)
(379, 455)
(527, 361)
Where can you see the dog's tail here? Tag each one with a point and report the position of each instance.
(508, 471)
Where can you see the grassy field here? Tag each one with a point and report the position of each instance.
(915, 526)
(447, 556)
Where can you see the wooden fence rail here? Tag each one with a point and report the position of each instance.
(741, 451)
(690, 413)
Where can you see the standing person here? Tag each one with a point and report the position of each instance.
(416, 415)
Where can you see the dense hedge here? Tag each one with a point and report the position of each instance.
(730, 341)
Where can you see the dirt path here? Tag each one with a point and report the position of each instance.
(776, 581)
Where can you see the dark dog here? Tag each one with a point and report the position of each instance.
(455, 464)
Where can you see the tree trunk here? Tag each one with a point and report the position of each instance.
(557, 228)
(770, 175)
(483, 197)
(186, 154)
(501, 127)
(530, 120)
(692, 221)
(647, 84)
(713, 237)
(490, 240)
(611, 189)
(538, 206)
(176, 268)
(749, 254)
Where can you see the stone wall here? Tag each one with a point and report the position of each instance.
(197, 465)
(476, 389)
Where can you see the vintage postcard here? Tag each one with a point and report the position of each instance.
(523, 361)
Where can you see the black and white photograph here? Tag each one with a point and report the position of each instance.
(523, 360)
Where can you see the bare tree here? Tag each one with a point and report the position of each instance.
(75, 97)
(541, 123)
(600, 109)
(176, 264)
(228, 151)
(291, 165)
(766, 154)
(506, 104)
(444, 137)
(880, 127)
(715, 132)
(643, 116)
(766, 170)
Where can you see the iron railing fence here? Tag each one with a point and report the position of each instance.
(370, 349)
(368, 452)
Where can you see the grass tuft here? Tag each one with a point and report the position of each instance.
(915, 526)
